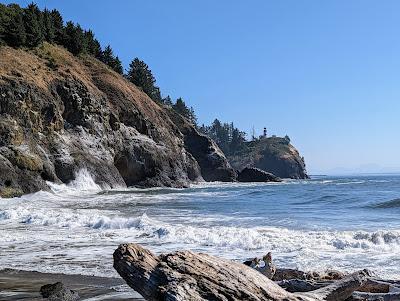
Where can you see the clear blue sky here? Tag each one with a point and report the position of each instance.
(327, 73)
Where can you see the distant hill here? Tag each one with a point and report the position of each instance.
(275, 155)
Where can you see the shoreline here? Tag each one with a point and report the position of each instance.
(25, 285)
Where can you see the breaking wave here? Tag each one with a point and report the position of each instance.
(83, 182)
(246, 238)
(307, 225)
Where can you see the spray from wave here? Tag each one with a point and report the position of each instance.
(83, 182)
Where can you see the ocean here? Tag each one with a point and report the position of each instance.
(342, 222)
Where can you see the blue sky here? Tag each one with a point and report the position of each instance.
(327, 73)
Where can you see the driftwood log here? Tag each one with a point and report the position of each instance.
(298, 281)
(186, 275)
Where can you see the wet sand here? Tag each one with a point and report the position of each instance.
(25, 285)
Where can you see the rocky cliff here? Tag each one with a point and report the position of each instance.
(60, 114)
(275, 155)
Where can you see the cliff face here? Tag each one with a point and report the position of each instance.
(213, 163)
(60, 114)
(275, 155)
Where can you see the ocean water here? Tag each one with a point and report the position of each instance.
(344, 223)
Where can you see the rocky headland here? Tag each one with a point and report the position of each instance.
(274, 155)
(60, 113)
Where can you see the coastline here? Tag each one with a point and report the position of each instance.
(25, 285)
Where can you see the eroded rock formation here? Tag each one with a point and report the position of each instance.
(274, 155)
(252, 174)
(78, 114)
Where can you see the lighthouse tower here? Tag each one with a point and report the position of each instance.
(265, 133)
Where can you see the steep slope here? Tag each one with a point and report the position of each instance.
(60, 114)
(212, 161)
(275, 155)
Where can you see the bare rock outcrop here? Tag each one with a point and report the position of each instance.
(252, 174)
(213, 163)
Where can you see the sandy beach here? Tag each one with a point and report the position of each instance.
(25, 285)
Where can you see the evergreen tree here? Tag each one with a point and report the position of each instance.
(58, 26)
(181, 108)
(112, 61)
(4, 19)
(192, 117)
(74, 40)
(49, 30)
(229, 138)
(167, 101)
(117, 65)
(92, 45)
(238, 140)
(140, 75)
(33, 25)
(107, 56)
(14, 34)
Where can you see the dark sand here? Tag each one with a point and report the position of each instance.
(25, 285)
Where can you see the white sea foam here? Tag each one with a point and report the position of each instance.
(295, 248)
(83, 182)
(75, 229)
(255, 238)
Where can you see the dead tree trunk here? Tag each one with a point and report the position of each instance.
(187, 275)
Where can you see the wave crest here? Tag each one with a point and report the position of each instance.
(83, 182)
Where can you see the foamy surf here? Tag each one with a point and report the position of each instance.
(83, 182)
(311, 226)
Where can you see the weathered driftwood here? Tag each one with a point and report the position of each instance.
(375, 286)
(343, 287)
(301, 285)
(191, 276)
(287, 274)
(359, 296)
(298, 281)
(263, 265)
(266, 267)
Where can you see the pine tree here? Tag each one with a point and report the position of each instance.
(181, 108)
(167, 101)
(58, 25)
(192, 117)
(92, 45)
(107, 56)
(33, 25)
(140, 75)
(14, 26)
(112, 61)
(229, 138)
(49, 31)
(117, 65)
(4, 19)
(238, 140)
(74, 40)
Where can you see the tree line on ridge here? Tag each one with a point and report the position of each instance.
(29, 27)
